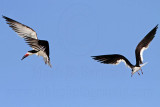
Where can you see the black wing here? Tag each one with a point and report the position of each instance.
(144, 45)
(112, 59)
(46, 57)
(45, 44)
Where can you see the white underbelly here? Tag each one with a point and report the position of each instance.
(135, 69)
(40, 53)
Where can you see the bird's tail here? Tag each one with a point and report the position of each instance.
(49, 64)
(47, 61)
(144, 64)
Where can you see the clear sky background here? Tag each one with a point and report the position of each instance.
(76, 30)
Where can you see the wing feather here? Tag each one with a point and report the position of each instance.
(112, 59)
(33, 43)
(143, 45)
(21, 29)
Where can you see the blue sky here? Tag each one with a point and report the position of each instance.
(76, 30)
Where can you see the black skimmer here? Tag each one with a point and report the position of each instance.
(117, 58)
(40, 47)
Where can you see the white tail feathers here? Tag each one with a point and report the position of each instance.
(144, 64)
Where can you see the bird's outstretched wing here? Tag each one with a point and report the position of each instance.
(144, 43)
(21, 29)
(112, 59)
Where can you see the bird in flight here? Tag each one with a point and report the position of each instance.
(117, 58)
(40, 47)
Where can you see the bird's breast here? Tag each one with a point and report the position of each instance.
(135, 69)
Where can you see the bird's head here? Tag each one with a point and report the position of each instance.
(29, 53)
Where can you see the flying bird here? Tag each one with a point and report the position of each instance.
(40, 47)
(117, 58)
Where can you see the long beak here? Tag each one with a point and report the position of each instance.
(25, 56)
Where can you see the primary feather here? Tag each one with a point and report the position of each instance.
(113, 59)
(21, 29)
(143, 45)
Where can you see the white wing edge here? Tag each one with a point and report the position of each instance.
(122, 60)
